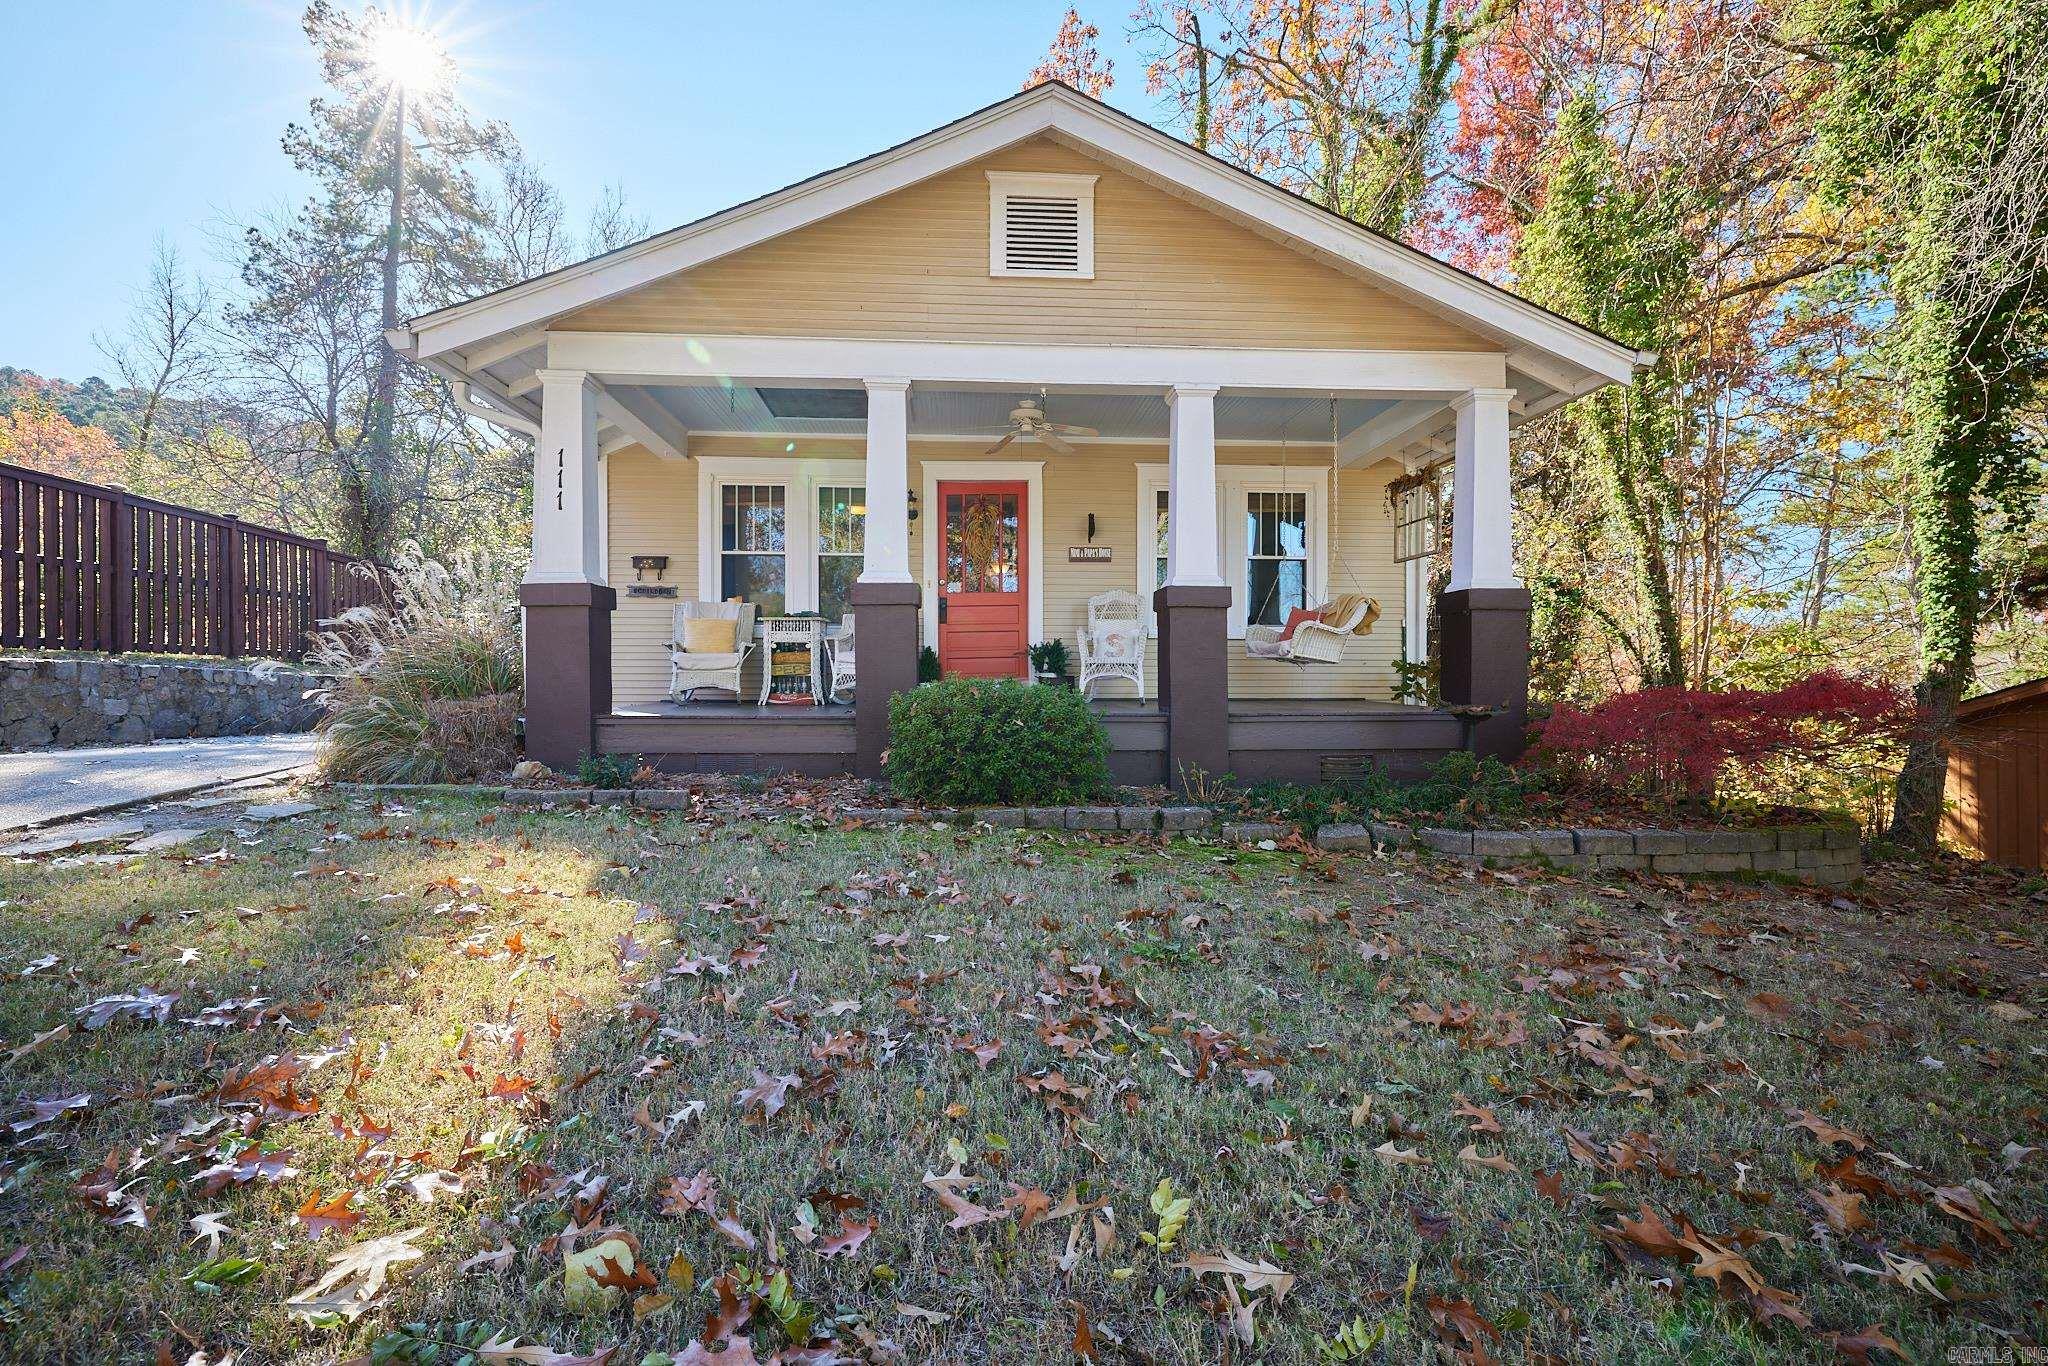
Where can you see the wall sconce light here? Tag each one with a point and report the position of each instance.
(642, 563)
(913, 505)
(1091, 528)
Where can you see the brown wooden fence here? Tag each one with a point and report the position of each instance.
(89, 568)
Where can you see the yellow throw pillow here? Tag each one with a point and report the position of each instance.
(710, 635)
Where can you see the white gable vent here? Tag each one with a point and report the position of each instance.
(1041, 225)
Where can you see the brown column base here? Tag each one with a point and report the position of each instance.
(1194, 688)
(884, 664)
(568, 668)
(1485, 643)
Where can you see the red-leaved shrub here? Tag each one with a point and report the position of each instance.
(1678, 742)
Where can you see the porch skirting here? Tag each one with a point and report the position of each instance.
(1281, 741)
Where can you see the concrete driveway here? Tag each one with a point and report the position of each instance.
(60, 784)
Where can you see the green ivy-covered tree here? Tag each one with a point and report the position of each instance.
(1613, 256)
(1937, 117)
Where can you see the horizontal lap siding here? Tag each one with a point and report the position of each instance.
(915, 265)
(653, 508)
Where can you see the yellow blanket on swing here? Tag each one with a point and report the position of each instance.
(1341, 608)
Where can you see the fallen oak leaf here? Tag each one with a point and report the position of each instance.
(320, 1220)
(1256, 1276)
(1842, 1209)
(1396, 1156)
(947, 1188)
(1827, 1133)
(847, 1241)
(1469, 1155)
(355, 1277)
(509, 1350)
(1858, 1346)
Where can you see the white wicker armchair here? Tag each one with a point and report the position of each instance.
(1314, 642)
(841, 647)
(1113, 644)
(688, 670)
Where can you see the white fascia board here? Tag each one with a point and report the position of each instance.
(665, 358)
(1045, 109)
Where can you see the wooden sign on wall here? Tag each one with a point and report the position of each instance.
(1088, 554)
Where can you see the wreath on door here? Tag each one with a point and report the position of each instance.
(981, 531)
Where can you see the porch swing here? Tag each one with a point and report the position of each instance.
(1325, 636)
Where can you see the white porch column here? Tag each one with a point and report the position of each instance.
(886, 557)
(567, 511)
(1191, 556)
(1482, 529)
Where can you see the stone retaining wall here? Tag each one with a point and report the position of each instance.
(47, 702)
(1811, 853)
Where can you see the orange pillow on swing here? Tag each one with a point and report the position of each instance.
(1296, 618)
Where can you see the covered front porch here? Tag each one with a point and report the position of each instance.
(1269, 740)
(1215, 510)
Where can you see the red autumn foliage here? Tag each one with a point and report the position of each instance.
(1683, 742)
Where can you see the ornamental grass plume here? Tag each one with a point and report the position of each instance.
(427, 684)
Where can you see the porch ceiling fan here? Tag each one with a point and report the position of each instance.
(1027, 420)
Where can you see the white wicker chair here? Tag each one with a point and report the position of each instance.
(688, 672)
(1313, 642)
(842, 658)
(1113, 644)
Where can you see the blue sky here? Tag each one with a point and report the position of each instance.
(133, 119)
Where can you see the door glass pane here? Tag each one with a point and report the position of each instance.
(981, 543)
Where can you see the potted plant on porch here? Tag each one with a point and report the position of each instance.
(1049, 662)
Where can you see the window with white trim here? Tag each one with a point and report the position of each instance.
(1041, 224)
(1418, 515)
(753, 547)
(842, 537)
(1272, 528)
(1276, 555)
(788, 535)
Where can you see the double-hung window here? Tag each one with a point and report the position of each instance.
(1271, 524)
(785, 535)
(841, 539)
(753, 545)
(1275, 554)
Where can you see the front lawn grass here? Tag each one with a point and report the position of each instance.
(513, 1030)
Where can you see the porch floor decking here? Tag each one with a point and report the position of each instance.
(1285, 739)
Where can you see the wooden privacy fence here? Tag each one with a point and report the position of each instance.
(89, 568)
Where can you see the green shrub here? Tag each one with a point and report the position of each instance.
(995, 742)
(427, 686)
(607, 770)
(1049, 657)
(928, 665)
(1460, 789)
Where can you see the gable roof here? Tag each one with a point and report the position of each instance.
(1562, 354)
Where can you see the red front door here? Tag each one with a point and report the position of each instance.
(982, 589)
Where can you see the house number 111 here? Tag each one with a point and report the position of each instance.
(559, 450)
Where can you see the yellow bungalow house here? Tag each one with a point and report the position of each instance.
(982, 390)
